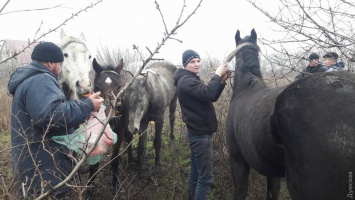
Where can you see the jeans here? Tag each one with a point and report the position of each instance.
(201, 174)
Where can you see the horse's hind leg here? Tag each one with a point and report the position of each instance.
(273, 188)
(141, 145)
(172, 109)
(240, 174)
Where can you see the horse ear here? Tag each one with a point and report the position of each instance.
(83, 37)
(119, 66)
(253, 34)
(97, 67)
(62, 34)
(237, 38)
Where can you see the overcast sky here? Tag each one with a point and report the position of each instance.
(123, 23)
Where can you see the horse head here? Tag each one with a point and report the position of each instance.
(137, 98)
(76, 66)
(247, 65)
(109, 81)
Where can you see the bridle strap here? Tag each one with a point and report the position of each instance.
(233, 53)
(109, 71)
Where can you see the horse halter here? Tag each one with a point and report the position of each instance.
(234, 53)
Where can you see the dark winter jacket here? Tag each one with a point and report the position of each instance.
(311, 70)
(39, 111)
(196, 99)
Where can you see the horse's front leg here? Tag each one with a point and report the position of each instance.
(273, 188)
(115, 160)
(240, 174)
(89, 193)
(157, 143)
(141, 144)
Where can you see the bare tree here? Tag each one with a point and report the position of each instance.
(37, 37)
(306, 26)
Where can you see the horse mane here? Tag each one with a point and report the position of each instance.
(247, 60)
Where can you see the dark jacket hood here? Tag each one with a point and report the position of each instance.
(23, 73)
(181, 72)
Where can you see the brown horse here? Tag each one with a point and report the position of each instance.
(304, 131)
(109, 81)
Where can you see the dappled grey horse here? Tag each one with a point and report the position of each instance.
(304, 131)
(148, 97)
(76, 67)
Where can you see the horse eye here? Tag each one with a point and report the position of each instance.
(66, 55)
(89, 57)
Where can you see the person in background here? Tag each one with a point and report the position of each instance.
(199, 115)
(331, 61)
(39, 111)
(314, 66)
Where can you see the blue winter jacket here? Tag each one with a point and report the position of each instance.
(39, 111)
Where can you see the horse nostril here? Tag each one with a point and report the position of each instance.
(77, 84)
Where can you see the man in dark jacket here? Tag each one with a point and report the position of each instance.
(199, 115)
(314, 66)
(39, 111)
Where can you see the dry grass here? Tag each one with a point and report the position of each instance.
(5, 109)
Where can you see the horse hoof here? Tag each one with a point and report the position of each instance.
(157, 170)
(89, 194)
(84, 169)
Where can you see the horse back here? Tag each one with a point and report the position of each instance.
(250, 130)
(161, 87)
(315, 120)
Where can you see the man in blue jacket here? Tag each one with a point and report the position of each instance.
(39, 111)
(331, 61)
(199, 115)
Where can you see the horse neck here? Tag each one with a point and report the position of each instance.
(247, 75)
(67, 91)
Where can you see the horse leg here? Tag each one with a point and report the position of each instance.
(93, 171)
(115, 160)
(128, 138)
(172, 109)
(157, 143)
(240, 174)
(141, 144)
(273, 188)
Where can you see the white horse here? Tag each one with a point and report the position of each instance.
(76, 66)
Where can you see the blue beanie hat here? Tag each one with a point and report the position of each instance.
(47, 52)
(188, 55)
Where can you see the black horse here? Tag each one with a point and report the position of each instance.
(109, 81)
(250, 136)
(304, 131)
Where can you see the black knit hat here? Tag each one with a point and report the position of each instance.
(188, 55)
(47, 52)
(313, 56)
(331, 55)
